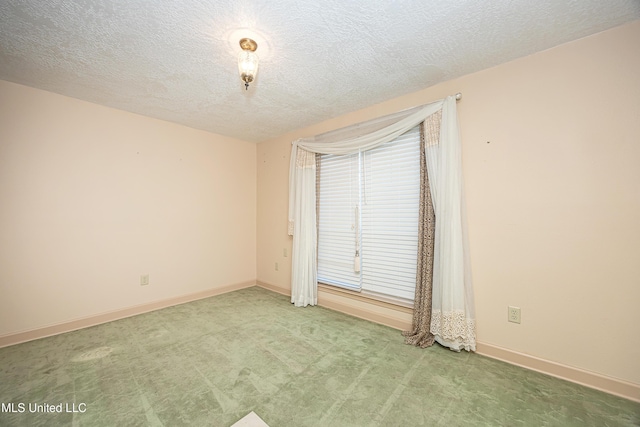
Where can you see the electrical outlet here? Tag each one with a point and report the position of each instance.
(144, 280)
(276, 266)
(284, 252)
(513, 314)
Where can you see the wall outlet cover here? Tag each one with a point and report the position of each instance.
(513, 314)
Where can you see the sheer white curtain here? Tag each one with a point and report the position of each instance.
(304, 231)
(444, 158)
(453, 313)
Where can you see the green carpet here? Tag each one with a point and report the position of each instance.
(211, 362)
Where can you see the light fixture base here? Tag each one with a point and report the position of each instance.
(248, 44)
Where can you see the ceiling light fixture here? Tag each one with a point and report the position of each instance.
(248, 61)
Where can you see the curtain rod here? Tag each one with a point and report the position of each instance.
(458, 96)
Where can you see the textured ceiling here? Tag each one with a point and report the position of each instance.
(176, 60)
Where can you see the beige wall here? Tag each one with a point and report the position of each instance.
(551, 158)
(91, 198)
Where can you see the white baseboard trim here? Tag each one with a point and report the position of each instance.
(365, 315)
(589, 379)
(273, 288)
(350, 310)
(85, 322)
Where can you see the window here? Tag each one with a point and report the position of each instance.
(368, 202)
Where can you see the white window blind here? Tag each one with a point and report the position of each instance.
(339, 194)
(383, 187)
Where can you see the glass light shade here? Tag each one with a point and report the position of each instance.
(248, 66)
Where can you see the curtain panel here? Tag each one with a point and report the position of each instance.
(453, 320)
(420, 334)
(453, 312)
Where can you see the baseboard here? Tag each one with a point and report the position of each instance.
(350, 310)
(589, 379)
(85, 322)
(366, 315)
(274, 288)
